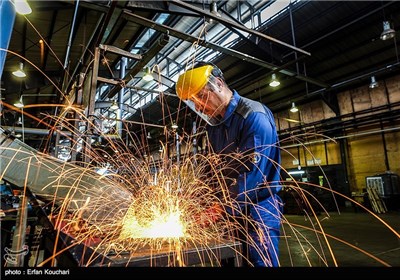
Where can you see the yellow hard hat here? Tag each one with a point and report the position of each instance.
(192, 81)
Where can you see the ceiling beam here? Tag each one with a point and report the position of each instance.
(145, 58)
(192, 39)
(230, 23)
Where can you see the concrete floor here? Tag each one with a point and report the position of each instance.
(345, 239)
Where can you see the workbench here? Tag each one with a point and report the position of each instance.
(194, 255)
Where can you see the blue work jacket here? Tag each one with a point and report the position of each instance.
(248, 129)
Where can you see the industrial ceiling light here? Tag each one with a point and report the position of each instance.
(174, 125)
(20, 71)
(294, 109)
(388, 32)
(22, 7)
(274, 82)
(19, 103)
(148, 76)
(19, 121)
(214, 9)
(374, 83)
(114, 106)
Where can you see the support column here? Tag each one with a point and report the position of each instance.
(7, 17)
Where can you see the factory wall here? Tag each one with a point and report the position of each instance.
(365, 150)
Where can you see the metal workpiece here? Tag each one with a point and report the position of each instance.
(186, 255)
(76, 188)
(195, 255)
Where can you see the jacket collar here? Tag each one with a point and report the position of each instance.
(233, 103)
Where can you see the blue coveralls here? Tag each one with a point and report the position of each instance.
(248, 127)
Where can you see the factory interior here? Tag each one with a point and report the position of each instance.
(94, 139)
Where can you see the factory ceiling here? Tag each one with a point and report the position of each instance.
(315, 48)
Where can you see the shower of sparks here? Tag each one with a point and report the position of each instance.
(159, 225)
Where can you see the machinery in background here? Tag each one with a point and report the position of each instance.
(387, 186)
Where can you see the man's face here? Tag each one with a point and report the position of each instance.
(207, 101)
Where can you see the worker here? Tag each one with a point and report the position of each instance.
(237, 124)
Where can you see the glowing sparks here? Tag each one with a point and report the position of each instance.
(162, 226)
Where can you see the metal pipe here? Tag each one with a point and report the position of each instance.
(343, 137)
(293, 35)
(194, 131)
(120, 97)
(71, 35)
(385, 151)
(344, 155)
(23, 125)
(92, 38)
(83, 55)
(178, 148)
(31, 130)
(18, 248)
